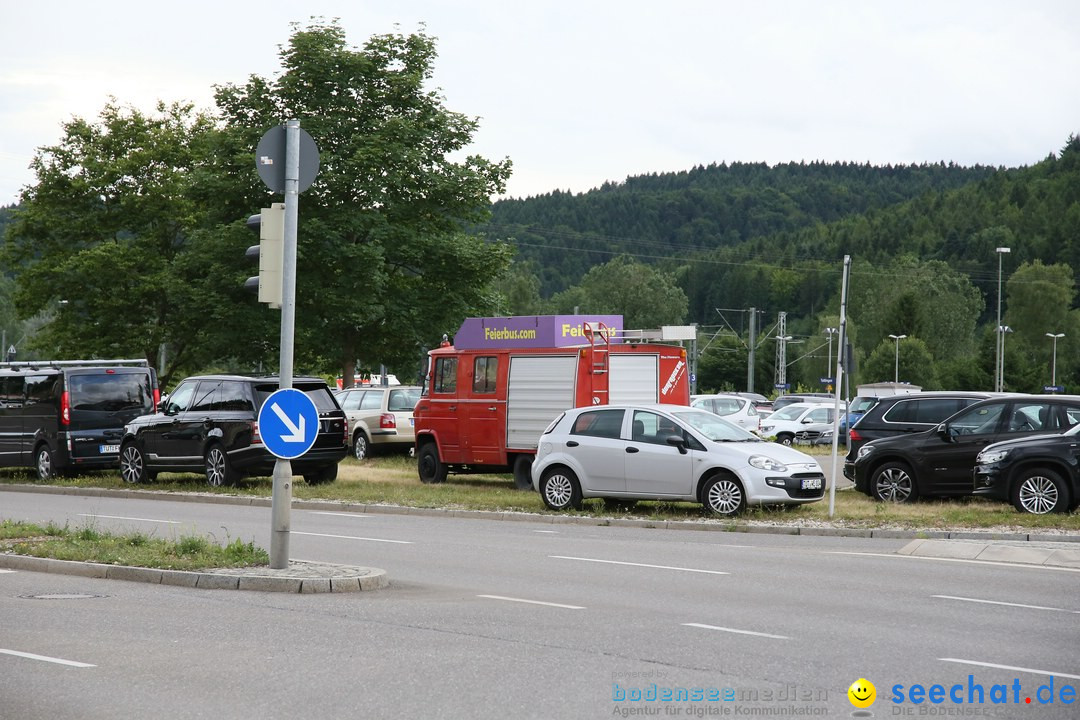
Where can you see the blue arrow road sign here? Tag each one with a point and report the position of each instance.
(288, 423)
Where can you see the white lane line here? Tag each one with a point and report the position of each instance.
(336, 514)
(957, 560)
(45, 658)
(1007, 604)
(633, 564)
(1051, 673)
(531, 602)
(122, 517)
(548, 532)
(733, 630)
(6, 571)
(353, 537)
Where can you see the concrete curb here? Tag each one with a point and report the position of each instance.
(1045, 554)
(299, 577)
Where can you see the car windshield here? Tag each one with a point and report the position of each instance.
(714, 427)
(791, 412)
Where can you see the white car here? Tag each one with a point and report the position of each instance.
(785, 424)
(734, 409)
(668, 452)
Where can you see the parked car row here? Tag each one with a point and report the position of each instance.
(1009, 446)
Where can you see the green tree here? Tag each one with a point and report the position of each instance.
(385, 263)
(913, 363)
(645, 296)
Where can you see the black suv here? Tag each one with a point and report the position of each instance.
(940, 461)
(1039, 474)
(210, 424)
(894, 415)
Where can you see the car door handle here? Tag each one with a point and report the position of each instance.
(492, 408)
(571, 443)
(631, 449)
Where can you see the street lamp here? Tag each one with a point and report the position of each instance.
(1053, 365)
(999, 361)
(1002, 329)
(896, 364)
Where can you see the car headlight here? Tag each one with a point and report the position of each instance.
(766, 428)
(991, 456)
(761, 462)
(864, 451)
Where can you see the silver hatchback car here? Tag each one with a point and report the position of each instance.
(668, 452)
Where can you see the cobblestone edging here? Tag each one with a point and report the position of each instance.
(745, 526)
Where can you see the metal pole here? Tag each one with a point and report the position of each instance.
(281, 501)
(750, 361)
(839, 378)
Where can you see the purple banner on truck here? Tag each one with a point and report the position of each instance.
(534, 331)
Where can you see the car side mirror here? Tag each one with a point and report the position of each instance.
(947, 432)
(678, 441)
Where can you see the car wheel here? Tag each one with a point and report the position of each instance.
(429, 466)
(360, 448)
(894, 482)
(132, 464)
(724, 495)
(325, 474)
(219, 472)
(1040, 492)
(523, 472)
(560, 489)
(785, 438)
(43, 463)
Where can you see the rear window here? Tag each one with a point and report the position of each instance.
(109, 392)
(403, 400)
(319, 393)
(927, 411)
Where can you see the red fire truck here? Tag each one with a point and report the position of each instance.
(489, 396)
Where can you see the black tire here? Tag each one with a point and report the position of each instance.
(560, 489)
(723, 495)
(429, 466)
(44, 464)
(325, 474)
(1040, 491)
(523, 472)
(132, 464)
(894, 482)
(219, 471)
(785, 438)
(361, 447)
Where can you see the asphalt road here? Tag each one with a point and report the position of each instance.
(497, 619)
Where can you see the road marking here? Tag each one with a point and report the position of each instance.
(6, 571)
(549, 532)
(335, 514)
(531, 602)
(353, 537)
(633, 564)
(45, 658)
(122, 517)
(1051, 673)
(1007, 604)
(957, 560)
(740, 632)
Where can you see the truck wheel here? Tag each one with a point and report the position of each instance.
(560, 489)
(523, 472)
(1040, 492)
(428, 464)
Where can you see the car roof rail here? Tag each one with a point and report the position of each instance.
(35, 364)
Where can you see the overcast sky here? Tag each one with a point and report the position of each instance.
(584, 92)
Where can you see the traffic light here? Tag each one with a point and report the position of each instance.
(270, 224)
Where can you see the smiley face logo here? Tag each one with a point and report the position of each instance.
(862, 693)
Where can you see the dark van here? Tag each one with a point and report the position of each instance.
(64, 416)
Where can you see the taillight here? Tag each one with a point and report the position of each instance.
(255, 437)
(65, 408)
(345, 427)
(157, 398)
(387, 421)
(853, 434)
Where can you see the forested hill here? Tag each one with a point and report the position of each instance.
(708, 207)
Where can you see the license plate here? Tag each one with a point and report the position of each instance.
(108, 449)
(811, 484)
